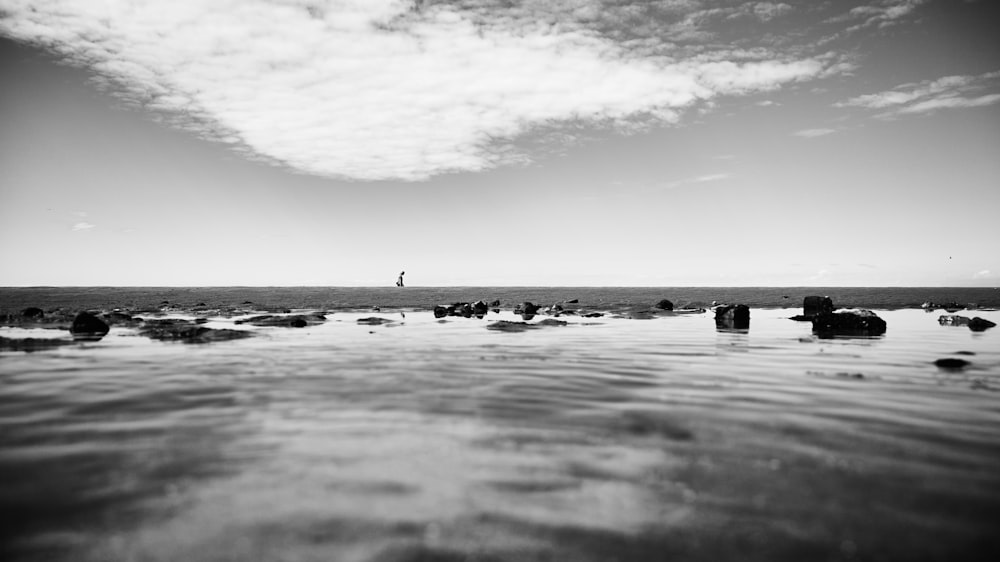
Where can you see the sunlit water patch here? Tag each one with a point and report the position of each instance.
(428, 439)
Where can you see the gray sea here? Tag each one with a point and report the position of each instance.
(635, 435)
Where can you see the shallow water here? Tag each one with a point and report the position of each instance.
(605, 439)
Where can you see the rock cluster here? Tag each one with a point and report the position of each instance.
(478, 309)
(848, 323)
(975, 324)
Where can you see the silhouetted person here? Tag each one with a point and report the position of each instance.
(399, 282)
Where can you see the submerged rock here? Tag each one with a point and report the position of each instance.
(732, 317)
(374, 321)
(952, 363)
(88, 327)
(509, 326)
(188, 331)
(296, 321)
(32, 344)
(848, 323)
(665, 305)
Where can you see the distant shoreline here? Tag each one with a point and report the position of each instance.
(425, 298)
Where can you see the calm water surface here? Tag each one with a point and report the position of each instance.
(605, 439)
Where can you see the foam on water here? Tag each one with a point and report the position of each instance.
(422, 439)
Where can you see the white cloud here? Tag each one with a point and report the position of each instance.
(984, 274)
(930, 95)
(882, 13)
(711, 177)
(379, 89)
(83, 226)
(813, 133)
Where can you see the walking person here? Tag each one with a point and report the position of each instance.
(399, 282)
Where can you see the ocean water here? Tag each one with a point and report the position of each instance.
(627, 437)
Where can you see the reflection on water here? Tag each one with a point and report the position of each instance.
(422, 439)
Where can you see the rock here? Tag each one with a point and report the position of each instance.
(573, 301)
(374, 321)
(89, 327)
(296, 321)
(508, 326)
(665, 305)
(440, 311)
(946, 320)
(480, 308)
(813, 305)
(186, 331)
(120, 319)
(593, 315)
(526, 307)
(495, 303)
(952, 363)
(978, 324)
(732, 317)
(33, 312)
(848, 323)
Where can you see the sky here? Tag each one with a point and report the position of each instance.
(500, 142)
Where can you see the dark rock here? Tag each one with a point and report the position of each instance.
(550, 322)
(813, 305)
(526, 308)
(440, 311)
(480, 308)
(848, 323)
(665, 305)
(978, 324)
(374, 321)
(461, 309)
(495, 303)
(593, 315)
(952, 363)
(88, 326)
(573, 301)
(946, 320)
(33, 312)
(732, 317)
(32, 344)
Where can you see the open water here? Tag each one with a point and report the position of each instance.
(609, 438)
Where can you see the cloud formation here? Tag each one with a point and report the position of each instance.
(813, 133)
(82, 226)
(931, 95)
(395, 89)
